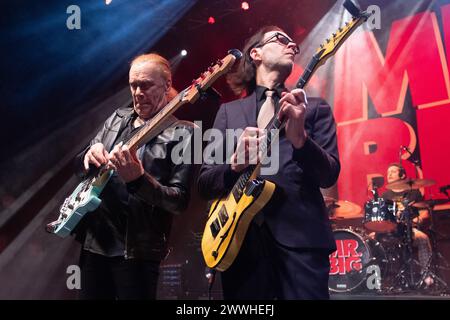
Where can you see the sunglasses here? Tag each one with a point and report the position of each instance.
(281, 38)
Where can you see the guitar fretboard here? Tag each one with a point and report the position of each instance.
(138, 139)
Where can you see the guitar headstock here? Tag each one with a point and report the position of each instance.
(332, 44)
(209, 76)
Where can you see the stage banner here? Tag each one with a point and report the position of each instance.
(389, 89)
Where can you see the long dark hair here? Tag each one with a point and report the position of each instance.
(244, 78)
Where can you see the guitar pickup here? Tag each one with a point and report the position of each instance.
(236, 194)
(223, 216)
(215, 228)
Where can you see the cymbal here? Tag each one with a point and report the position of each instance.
(409, 184)
(430, 203)
(346, 210)
(329, 201)
(398, 198)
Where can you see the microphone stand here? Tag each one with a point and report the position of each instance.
(210, 274)
(407, 271)
(416, 162)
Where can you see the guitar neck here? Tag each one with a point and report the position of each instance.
(190, 94)
(313, 64)
(273, 130)
(253, 171)
(336, 41)
(325, 51)
(140, 138)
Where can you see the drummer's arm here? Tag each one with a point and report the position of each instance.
(424, 216)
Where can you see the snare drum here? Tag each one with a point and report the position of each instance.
(380, 215)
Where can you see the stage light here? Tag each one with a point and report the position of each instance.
(211, 20)
(183, 53)
(245, 5)
(108, 2)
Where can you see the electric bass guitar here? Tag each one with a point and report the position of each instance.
(229, 217)
(86, 196)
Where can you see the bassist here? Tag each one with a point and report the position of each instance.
(125, 239)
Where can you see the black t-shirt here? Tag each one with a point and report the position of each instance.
(411, 195)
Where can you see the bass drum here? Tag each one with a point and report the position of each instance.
(357, 257)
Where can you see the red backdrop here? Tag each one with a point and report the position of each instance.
(388, 87)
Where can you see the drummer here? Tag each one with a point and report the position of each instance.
(396, 172)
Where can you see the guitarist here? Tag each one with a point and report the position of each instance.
(125, 239)
(285, 254)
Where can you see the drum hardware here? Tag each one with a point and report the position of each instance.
(407, 272)
(437, 261)
(381, 217)
(394, 250)
(409, 277)
(431, 270)
(429, 204)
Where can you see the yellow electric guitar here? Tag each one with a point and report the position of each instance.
(230, 216)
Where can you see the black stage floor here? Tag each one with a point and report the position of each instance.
(396, 296)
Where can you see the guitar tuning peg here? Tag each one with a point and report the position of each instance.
(340, 29)
(210, 69)
(321, 46)
(334, 35)
(219, 62)
(347, 23)
(328, 40)
(202, 75)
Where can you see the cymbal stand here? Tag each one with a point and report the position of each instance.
(434, 264)
(406, 276)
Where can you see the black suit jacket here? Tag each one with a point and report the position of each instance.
(296, 215)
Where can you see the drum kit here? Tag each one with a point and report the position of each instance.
(379, 256)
